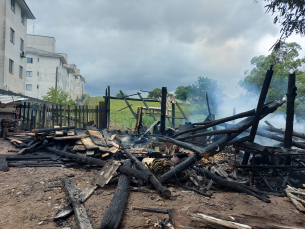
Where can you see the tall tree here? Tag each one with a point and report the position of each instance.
(155, 93)
(205, 85)
(284, 60)
(58, 96)
(182, 92)
(291, 16)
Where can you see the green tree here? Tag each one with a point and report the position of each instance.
(291, 16)
(58, 96)
(205, 85)
(118, 95)
(284, 60)
(155, 93)
(182, 92)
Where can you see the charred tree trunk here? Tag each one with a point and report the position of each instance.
(114, 214)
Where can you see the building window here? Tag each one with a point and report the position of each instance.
(29, 60)
(37, 59)
(12, 35)
(37, 73)
(37, 86)
(29, 73)
(13, 5)
(28, 87)
(21, 44)
(22, 17)
(10, 65)
(20, 71)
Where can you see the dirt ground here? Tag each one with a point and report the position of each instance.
(28, 200)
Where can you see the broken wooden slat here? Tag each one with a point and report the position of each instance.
(297, 204)
(79, 148)
(104, 149)
(80, 212)
(89, 143)
(90, 152)
(70, 137)
(107, 138)
(58, 132)
(106, 173)
(114, 213)
(210, 220)
(96, 136)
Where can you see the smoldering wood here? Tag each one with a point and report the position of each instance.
(131, 172)
(43, 130)
(79, 209)
(153, 180)
(115, 211)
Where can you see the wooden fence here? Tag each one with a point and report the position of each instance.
(41, 115)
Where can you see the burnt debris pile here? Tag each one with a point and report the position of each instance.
(201, 157)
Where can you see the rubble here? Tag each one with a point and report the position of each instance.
(195, 158)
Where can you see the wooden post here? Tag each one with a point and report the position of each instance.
(102, 114)
(20, 109)
(108, 108)
(57, 114)
(84, 125)
(139, 120)
(53, 115)
(291, 94)
(163, 109)
(260, 104)
(32, 119)
(43, 114)
(234, 113)
(68, 115)
(28, 115)
(96, 116)
(173, 114)
(24, 106)
(75, 116)
(87, 120)
(65, 114)
(60, 114)
(79, 118)
(40, 121)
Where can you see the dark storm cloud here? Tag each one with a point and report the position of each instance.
(133, 45)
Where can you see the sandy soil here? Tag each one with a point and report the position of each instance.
(28, 201)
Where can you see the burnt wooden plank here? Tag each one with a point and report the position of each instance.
(3, 164)
(79, 148)
(89, 143)
(80, 212)
(96, 136)
(70, 137)
(106, 173)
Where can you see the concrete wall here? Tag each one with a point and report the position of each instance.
(12, 81)
(2, 40)
(41, 42)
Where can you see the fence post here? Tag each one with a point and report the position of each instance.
(24, 106)
(75, 116)
(60, 112)
(173, 114)
(68, 115)
(84, 116)
(56, 114)
(79, 118)
(43, 114)
(163, 109)
(65, 118)
(96, 111)
(28, 115)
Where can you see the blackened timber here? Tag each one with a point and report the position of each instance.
(153, 180)
(208, 133)
(216, 122)
(291, 94)
(128, 105)
(52, 129)
(83, 220)
(182, 112)
(239, 187)
(208, 104)
(219, 144)
(115, 211)
(3, 164)
(259, 108)
(131, 172)
(163, 110)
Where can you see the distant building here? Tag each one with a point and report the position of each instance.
(45, 69)
(13, 26)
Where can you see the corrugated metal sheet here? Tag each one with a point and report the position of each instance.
(5, 99)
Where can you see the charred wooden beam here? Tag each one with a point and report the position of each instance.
(133, 113)
(114, 213)
(163, 110)
(153, 180)
(210, 133)
(3, 164)
(83, 220)
(239, 187)
(131, 172)
(219, 144)
(259, 108)
(43, 130)
(155, 210)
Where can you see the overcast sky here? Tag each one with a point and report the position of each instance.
(140, 45)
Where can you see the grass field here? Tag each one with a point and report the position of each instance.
(124, 119)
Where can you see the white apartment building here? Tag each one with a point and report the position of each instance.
(45, 69)
(13, 27)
